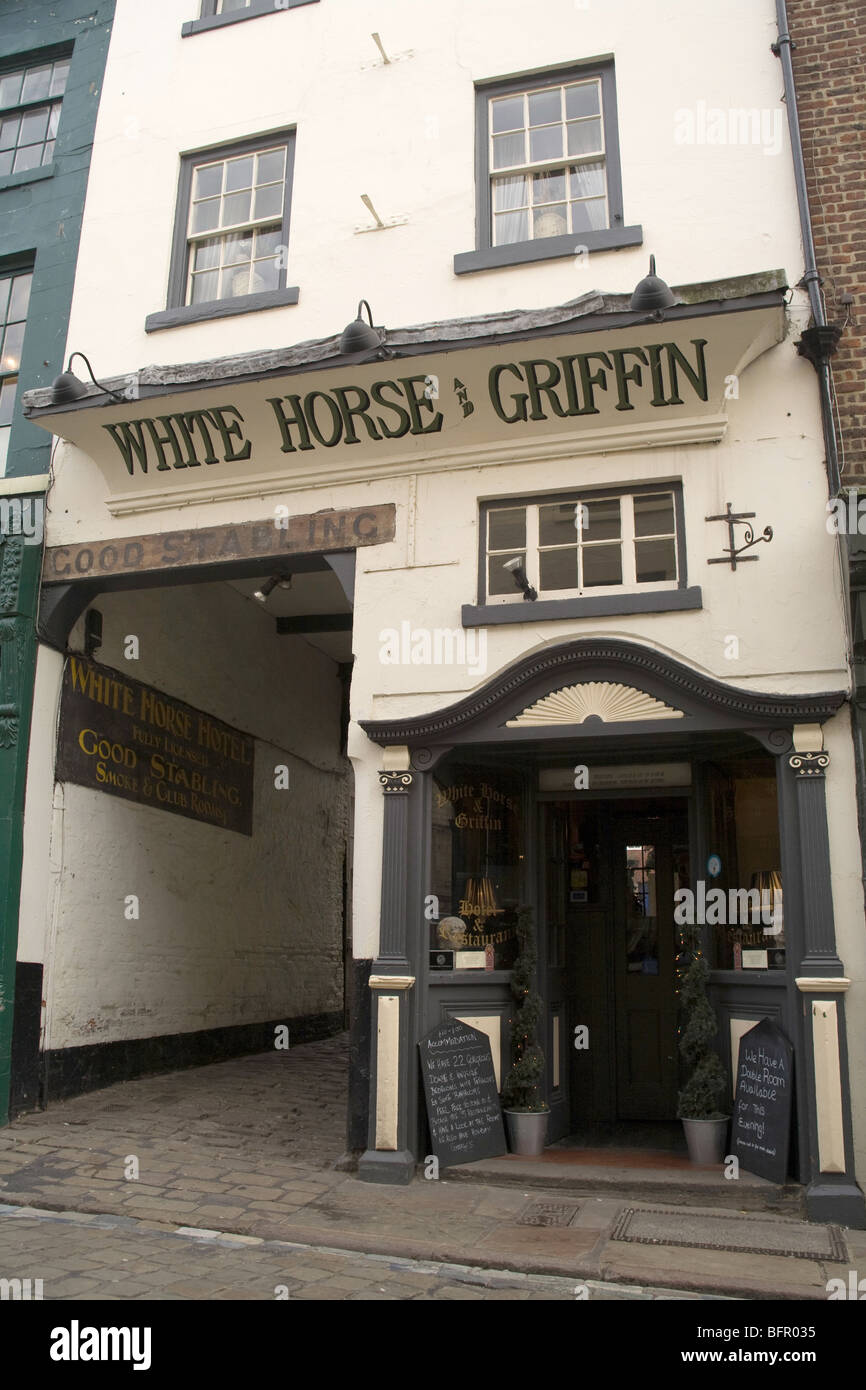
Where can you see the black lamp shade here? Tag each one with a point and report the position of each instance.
(66, 388)
(652, 292)
(359, 336)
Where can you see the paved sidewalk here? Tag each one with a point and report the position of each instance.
(247, 1147)
(77, 1258)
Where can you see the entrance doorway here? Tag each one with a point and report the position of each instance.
(609, 870)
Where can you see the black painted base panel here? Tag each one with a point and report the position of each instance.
(25, 1088)
(71, 1071)
(360, 1013)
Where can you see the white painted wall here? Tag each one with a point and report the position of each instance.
(404, 134)
(232, 929)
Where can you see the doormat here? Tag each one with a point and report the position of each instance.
(748, 1235)
(548, 1214)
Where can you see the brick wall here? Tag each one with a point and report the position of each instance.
(829, 61)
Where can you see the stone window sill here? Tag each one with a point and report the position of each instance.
(45, 171)
(221, 309)
(599, 606)
(546, 249)
(255, 11)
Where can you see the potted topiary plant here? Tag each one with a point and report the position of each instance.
(699, 1104)
(526, 1113)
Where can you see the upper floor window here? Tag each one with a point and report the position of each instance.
(14, 298)
(599, 552)
(231, 232)
(215, 13)
(547, 169)
(30, 101)
(589, 544)
(546, 157)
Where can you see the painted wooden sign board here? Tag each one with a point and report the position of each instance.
(761, 1125)
(125, 738)
(463, 1107)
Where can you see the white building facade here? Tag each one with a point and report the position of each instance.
(506, 653)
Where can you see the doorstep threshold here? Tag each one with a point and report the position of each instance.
(633, 1178)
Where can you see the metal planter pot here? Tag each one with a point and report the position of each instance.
(527, 1131)
(706, 1140)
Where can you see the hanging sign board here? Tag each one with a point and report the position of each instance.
(761, 1125)
(125, 738)
(622, 777)
(463, 1107)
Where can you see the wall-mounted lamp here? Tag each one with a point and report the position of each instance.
(263, 594)
(651, 294)
(359, 336)
(518, 574)
(67, 388)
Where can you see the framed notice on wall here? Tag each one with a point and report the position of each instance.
(129, 740)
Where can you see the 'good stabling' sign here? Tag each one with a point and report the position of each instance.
(761, 1126)
(462, 1100)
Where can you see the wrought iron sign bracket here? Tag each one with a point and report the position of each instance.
(733, 552)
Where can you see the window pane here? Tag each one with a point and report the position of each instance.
(206, 254)
(655, 560)
(59, 79)
(549, 188)
(20, 297)
(229, 6)
(266, 275)
(556, 524)
(238, 248)
(506, 113)
(509, 227)
(236, 208)
(590, 216)
(204, 287)
(584, 137)
(601, 520)
(34, 126)
(234, 282)
(267, 242)
(509, 193)
(239, 173)
(654, 516)
(54, 119)
(37, 82)
(208, 181)
(10, 88)
(581, 100)
(546, 142)
(550, 221)
(269, 201)
(28, 157)
(506, 529)
(558, 569)
(499, 580)
(206, 215)
(12, 341)
(271, 167)
(4, 448)
(5, 161)
(508, 150)
(9, 133)
(7, 399)
(602, 564)
(5, 287)
(587, 180)
(545, 107)
(48, 152)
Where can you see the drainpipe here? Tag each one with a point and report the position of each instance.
(819, 341)
(817, 344)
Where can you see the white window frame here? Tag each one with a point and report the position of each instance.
(629, 585)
